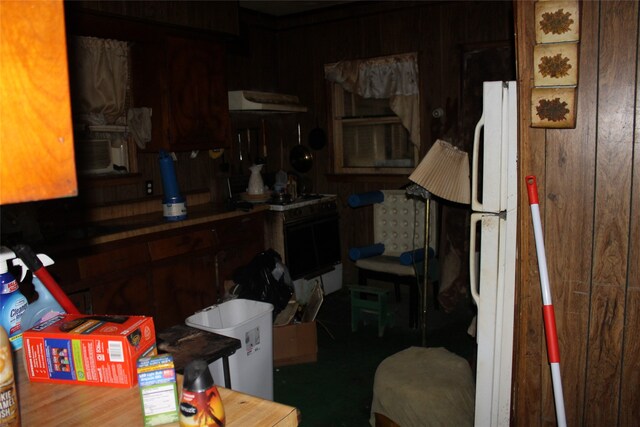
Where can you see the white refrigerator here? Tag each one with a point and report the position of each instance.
(493, 249)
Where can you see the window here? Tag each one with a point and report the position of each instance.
(375, 114)
(368, 136)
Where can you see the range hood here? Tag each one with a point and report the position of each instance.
(249, 100)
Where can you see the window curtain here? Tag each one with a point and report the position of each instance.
(100, 77)
(394, 77)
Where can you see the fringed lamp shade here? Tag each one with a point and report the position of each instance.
(444, 172)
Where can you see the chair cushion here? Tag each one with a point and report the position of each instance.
(398, 223)
(387, 264)
(424, 387)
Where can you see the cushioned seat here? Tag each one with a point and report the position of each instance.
(424, 387)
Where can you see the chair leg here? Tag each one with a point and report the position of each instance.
(355, 315)
(362, 277)
(398, 293)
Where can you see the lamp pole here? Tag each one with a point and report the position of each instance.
(425, 271)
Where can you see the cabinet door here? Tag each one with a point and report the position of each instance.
(198, 102)
(183, 286)
(128, 294)
(236, 241)
(36, 149)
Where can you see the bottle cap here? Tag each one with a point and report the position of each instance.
(197, 377)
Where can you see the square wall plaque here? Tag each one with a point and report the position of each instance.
(557, 21)
(553, 108)
(556, 64)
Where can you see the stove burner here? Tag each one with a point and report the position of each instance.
(301, 198)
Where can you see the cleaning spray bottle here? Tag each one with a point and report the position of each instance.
(46, 306)
(12, 302)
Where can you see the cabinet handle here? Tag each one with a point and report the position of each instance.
(216, 238)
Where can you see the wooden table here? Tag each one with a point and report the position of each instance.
(186, 343)
(80, 405)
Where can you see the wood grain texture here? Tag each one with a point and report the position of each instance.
(589, 193)
(36, 150)
(612, 209)
(572, 153)
(629, 397)
(79, 405)
(529, 353)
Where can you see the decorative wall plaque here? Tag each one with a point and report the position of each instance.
(553, 108)
(555, 64)
(557, 21)
(555, 59)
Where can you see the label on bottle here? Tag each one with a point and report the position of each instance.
(9, 413)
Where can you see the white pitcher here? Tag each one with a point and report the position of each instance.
(256, 185)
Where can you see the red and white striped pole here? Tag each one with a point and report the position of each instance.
(553, 350)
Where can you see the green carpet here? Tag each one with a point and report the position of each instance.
(338, 388)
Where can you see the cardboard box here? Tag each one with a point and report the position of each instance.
(158, 390)
(295, 343)
(88, 349)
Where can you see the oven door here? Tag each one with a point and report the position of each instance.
(312, 245)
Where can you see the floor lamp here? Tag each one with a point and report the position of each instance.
(443, 172)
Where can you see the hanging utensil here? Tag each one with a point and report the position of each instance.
(240, 146)
(249, 145)
(300, 157)
(317, 137)
(264, 140)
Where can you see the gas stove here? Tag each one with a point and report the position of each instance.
(305, 206)
(303, 200)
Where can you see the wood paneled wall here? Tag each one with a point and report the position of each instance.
(589, 186)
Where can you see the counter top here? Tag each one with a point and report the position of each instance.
(69, 405)
(106, 231)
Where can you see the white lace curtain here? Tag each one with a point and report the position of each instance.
(100, 78)
(394, 77)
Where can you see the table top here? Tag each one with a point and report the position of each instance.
(186, 343)
(68, 404)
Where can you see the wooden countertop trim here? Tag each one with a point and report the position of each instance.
(141, 225)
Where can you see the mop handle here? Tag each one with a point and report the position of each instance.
(553, 349)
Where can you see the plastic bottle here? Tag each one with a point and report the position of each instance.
(45, 306)
(9, 408)
(200, 402)
(12, 301)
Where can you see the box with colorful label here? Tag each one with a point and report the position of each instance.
(88, 349)
(158, 390)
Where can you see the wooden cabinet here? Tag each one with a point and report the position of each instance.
(183, 286)
(183, 80)
(237, 240)
(168, 275)
(123, 294)
(183, 274)
(36, 149)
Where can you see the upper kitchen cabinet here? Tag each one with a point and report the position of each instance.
(183, 80)
(36, 133)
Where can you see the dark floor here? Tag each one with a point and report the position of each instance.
(338, 388)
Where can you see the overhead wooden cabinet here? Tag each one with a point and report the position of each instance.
(183, 81)
(36, 135)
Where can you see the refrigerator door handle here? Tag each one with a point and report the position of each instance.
(473, 269)
(475, 204)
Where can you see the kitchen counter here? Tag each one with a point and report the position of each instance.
(111, 230)
(79, 405)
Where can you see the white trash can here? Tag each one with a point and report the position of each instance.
(251, 366)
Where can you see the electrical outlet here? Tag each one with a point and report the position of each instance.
(149, 187)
